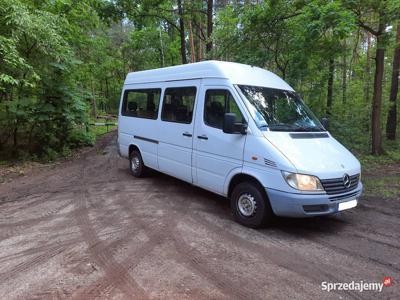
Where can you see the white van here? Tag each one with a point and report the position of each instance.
(238, 131)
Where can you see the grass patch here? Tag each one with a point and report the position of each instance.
(381, 174)
(387, 186)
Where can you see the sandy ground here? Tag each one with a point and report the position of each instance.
(87, 229)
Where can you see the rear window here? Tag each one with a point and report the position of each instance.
(141, 103)
(178, 104)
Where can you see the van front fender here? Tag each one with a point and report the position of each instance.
(266, 176)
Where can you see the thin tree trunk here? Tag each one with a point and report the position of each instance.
(107, 90)
(329, 99)
(15, 135)
(192, 49)
(195, 44)
(377, 96)
(161, 49)
(368, 69)
(123, 52)
(94, 104)
(344, 77)
(392, 116)
(200, 44)
(30, 135)
(209, 44)
(182, 32)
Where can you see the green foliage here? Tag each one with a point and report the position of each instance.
(80, 138)
(41, 104)
(150, 48)
(63, 62)
(296, 40)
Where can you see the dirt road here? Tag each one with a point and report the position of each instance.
(88, 229)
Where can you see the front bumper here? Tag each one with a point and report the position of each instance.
(308, 205)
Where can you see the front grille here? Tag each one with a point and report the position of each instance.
(344, 196)
(336, 186)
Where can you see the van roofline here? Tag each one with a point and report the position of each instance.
(236, 73)
(174, 80)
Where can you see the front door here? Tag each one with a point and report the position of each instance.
(216, 153)
(176, 131)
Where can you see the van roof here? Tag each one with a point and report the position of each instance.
(235, 72)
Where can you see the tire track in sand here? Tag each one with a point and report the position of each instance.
(114, 271)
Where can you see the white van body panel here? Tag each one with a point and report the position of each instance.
(265, 162)
(219, 154)
(174, 148)
(129, 127)
(322, 157)
(209, 158)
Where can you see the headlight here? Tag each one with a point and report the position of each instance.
(302, 182)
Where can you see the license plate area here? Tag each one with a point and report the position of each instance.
(347, 205)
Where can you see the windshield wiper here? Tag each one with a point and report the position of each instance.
(291, 127)
(309, 128)
(283, 127)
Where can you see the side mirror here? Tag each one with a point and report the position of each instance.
(230, 126)
(325, 123)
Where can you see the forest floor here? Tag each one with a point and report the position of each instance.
(85, 228)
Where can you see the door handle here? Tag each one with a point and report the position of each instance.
(202, 137)
(187, 134)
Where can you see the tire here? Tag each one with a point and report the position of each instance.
(250, 205)
(136, 165)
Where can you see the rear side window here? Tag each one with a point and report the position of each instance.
(216, 104)
(178, 104)
(141, 103)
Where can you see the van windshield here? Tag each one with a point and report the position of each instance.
(279, 110)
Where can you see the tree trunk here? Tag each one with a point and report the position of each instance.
(392, 116)
(209, 44)
(94, 104)
(192, 49)
(344, 77)
(329, 99)
(15, 135)
(368, 69)
(107, 89)
(182, 32)
(199, 44)
(162, 58)
(377, 96)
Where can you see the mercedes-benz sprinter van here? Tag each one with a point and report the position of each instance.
(238, 131)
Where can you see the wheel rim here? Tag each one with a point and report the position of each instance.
(247, 205)
(135, 163)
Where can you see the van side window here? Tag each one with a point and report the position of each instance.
(141, 103)
(178, 104)
(216, 104)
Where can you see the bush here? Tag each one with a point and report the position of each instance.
(80, 138)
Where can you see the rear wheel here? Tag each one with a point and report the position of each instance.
(137, 167)
(250, 205)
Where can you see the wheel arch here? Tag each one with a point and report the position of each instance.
(133, 147)
(242, 177)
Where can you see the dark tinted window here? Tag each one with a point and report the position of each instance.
(141, 103)
(178, 105)
(217, 103)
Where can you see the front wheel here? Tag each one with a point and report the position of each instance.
(250, 205)
(137, 166)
